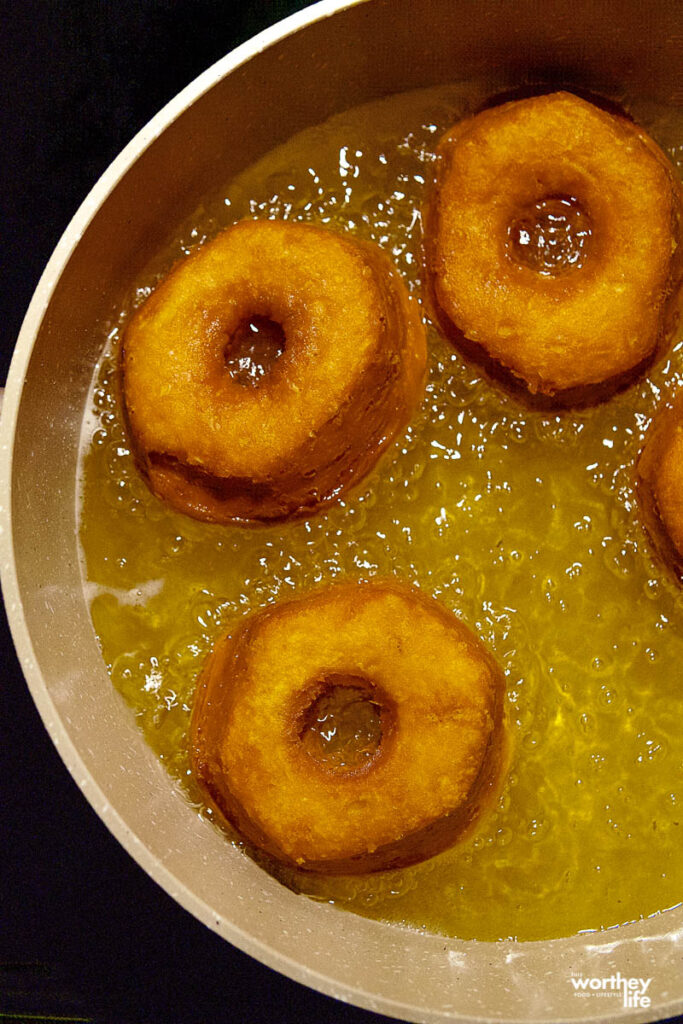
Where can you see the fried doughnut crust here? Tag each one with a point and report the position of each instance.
(577, 331)
(441, 752)
(351, 373)
(660, 484)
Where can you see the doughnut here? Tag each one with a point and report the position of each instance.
(347, 364)
(551, 246)
(429, 764)
(660, 483)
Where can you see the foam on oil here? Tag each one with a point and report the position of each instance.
(523, 523)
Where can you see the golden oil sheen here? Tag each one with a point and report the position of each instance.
(523, 523)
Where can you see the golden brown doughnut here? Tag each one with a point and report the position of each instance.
(551, 238)
(660, 483)
(438, 696)
(348, 379)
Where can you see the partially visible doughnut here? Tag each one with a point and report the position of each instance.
(222, 449)
(438, 695)
(660, 483)
(551, 245)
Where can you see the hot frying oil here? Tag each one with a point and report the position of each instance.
(523, 523)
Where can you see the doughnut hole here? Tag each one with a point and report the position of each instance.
(343, 726)
(552, 236)
(253, 349)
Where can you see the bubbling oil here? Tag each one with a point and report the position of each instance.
(523, 523)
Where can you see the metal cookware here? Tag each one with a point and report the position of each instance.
(329, 57)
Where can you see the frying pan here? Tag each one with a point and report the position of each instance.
(318, 62)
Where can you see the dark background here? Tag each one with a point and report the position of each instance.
(84, 933)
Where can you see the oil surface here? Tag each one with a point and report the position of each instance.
(523, 523)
